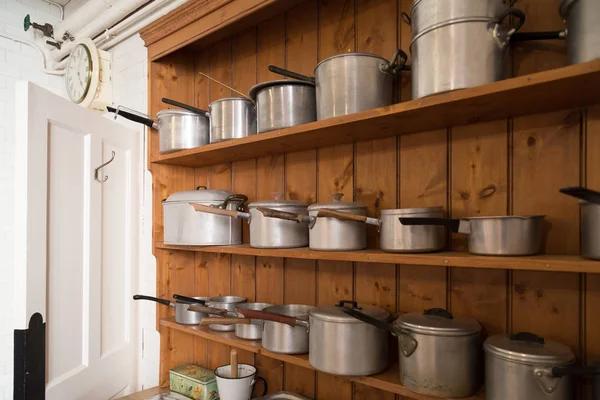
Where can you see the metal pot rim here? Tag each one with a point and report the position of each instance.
(281, 82)
(206, 196)
(505, 217)
(553, 354)
(405, 211)
(332, 313)
(438, 326)
(277, 203)
(169, 111)
(227, 299)
(283, 310)
(352, 54)
(231, 99)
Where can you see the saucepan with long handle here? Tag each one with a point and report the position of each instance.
(589, 202)
(186, 312)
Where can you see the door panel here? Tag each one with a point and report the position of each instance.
(76, 250)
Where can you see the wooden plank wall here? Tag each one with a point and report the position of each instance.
(497, 168)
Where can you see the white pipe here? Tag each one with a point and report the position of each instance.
(132, 25)
(91, 19)
(35, 46)
(60, 7)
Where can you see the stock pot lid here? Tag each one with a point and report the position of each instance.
(278, 201)
(527, 348)
(407, 211)
(333, 313)
(201, 194)
(299, 311)
(169, 111)
(281, 82)
(438, 322)
(231, 99)
(351, 55)
(337, 204)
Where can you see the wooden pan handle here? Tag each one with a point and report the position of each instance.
(270, 213)
(214, 210)
(207, 310)
(224, 321)
(326, 212)
(267, 316)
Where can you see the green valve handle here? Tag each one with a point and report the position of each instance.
(27, 22)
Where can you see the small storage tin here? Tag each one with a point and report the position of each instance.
(194, 382)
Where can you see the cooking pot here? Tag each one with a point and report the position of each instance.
(438, 353)
(231, 118)
(590, 220)
(523, 366)
(267, 232)
(396, 237)
(583, 30)
(185, 226)
(493, 236)
(352, 82)
(458, 44)
(227, 303)
(245, 328)
(284, 103)
(338, 343)
(186, 312)
(177, 129)
(330, 234)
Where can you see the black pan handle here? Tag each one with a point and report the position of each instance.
(527, 337)
(132, 117)
(372, 321)
(156, 299)
(184, 106)
(518, 14)
(439, 312)
(188, 299)
(530, 36)
(576, 370)
(290, 74)
(451, 224)
(582, 193)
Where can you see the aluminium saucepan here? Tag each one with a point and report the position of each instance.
(186, 313)
(511, 235)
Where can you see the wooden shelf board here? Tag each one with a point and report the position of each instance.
(561, 88)
(542, 262)
(387, 380)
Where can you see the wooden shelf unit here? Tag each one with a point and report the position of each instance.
(387, 380)
(542, 262)
(529, 94)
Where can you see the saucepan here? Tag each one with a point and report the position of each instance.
(177, 129)
(245, 328)
(396, 237)
(186, 312)
(352, 82)
(511, 235)
(589, 201)
(337, 343)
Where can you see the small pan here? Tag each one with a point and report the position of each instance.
(186, 313)
(511, 235)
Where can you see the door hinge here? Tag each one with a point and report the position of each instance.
(30, 360)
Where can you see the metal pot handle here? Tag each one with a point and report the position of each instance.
(406, 19)
(408, 344)
(268, 316)
(372, 321)
(220, 211)
(242, 198)
(207, 310)
(224, 321)
(328, 213)
(530, 36)
(156, 299)
(190, 300)
(393, 67)
(577, 370)
(270, 213)
(290, 74)
(354, 304)
(451, 224)
(139, 118)
(504, 41)
(439, 312)
(582, 193)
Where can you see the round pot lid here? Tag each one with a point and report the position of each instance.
(337, 204)
(282, 82)
(278, 201)
(438, 322)
(351, 55)
(407, 211)
(201, 194)
(167, 112)
(333, 313)
(528, 348)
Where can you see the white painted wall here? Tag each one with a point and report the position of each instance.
(19, 62)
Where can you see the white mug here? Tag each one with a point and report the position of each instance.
(239, 388)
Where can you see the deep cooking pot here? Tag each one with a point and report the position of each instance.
(438, 353)
(458, 44)
(493, 236)
(186, 312)
(227, 303)
(269, 232)
(185, 226)
(523, 366)
(245, 328)
(231, 118)
(590, 220)
(177, 129)
(583, 29)
(338, 343)
(399, 238)
(352, 82)
(284, 103)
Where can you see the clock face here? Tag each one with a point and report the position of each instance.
(78, 75)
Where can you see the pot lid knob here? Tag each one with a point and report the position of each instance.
(202, 187)
(278, 195)
(527, 337)
(336, 196)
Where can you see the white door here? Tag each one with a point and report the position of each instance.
(76, 243)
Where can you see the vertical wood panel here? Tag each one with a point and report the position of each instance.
(479, 188)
